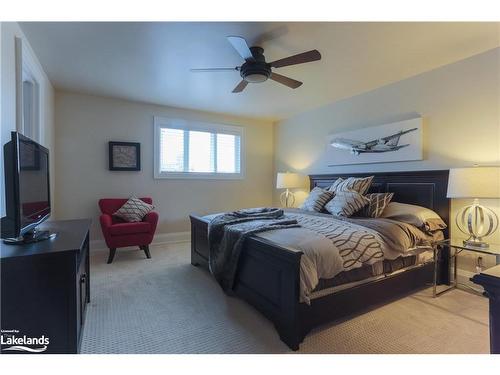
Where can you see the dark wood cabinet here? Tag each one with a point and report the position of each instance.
(490, 281)
(45, 288)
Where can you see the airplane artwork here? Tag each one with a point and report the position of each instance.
(385, 144)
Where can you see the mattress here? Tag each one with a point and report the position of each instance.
(331, 287)
(383, 267)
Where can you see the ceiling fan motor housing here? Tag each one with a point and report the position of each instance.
(256, 71)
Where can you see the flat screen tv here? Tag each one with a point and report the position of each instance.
(27, 190)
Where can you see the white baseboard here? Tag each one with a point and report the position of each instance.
(159, 239)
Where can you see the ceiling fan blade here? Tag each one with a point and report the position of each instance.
(293, 84)
(301, 58)
(240, 87)
(215, 69)
(241, 46)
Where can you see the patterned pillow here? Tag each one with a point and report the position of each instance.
(345, 203)
(316, 200)
(358, 184)
(133, 210)
(377, 204)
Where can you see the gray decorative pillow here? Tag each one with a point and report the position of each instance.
(358, 184)
(421, 217)
(346, 203)
(316, 200)
(376, 205)
(134, 210)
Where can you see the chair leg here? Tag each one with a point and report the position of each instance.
(146, 250)
(112, 252)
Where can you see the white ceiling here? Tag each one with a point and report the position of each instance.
(150, 62)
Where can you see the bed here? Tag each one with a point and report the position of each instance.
(268, 275)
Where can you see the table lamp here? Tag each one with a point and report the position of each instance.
(288, 181)
(475, 220)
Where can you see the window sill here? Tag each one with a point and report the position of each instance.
(198, 176)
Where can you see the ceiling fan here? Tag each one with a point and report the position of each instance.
(255, 69)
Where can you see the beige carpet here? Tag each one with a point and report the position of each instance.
(165, 305)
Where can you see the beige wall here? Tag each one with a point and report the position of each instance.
(460, 105)
(8, 32)
(86, 123)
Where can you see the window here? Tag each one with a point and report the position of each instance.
(31, 119)
(188, 149)
(28, 92)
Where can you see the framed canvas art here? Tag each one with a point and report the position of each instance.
(397, 141)
(124, 156)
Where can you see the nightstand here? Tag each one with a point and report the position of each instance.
(456, 246)
(490, 281)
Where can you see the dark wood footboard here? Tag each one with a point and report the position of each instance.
(267, 278)
(199, 241)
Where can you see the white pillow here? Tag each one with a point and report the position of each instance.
(418, 216)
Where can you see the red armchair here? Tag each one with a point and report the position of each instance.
(118, 233)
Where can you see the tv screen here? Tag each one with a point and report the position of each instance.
(27, 189)
(33, 182)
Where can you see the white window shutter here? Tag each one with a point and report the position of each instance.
(212, 152)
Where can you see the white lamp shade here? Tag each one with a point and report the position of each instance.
(474, 182)
(289, 180)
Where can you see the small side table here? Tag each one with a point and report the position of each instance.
(456, 246)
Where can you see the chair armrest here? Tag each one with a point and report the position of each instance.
(152, 219)
(106, 221)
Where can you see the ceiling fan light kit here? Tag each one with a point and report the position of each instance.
(255, 69)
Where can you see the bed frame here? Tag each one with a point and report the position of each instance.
(268, 274)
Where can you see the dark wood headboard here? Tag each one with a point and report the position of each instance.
(422, 188)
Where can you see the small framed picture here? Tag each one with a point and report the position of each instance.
(124, 156)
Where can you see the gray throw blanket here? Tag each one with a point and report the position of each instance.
(227, 234)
